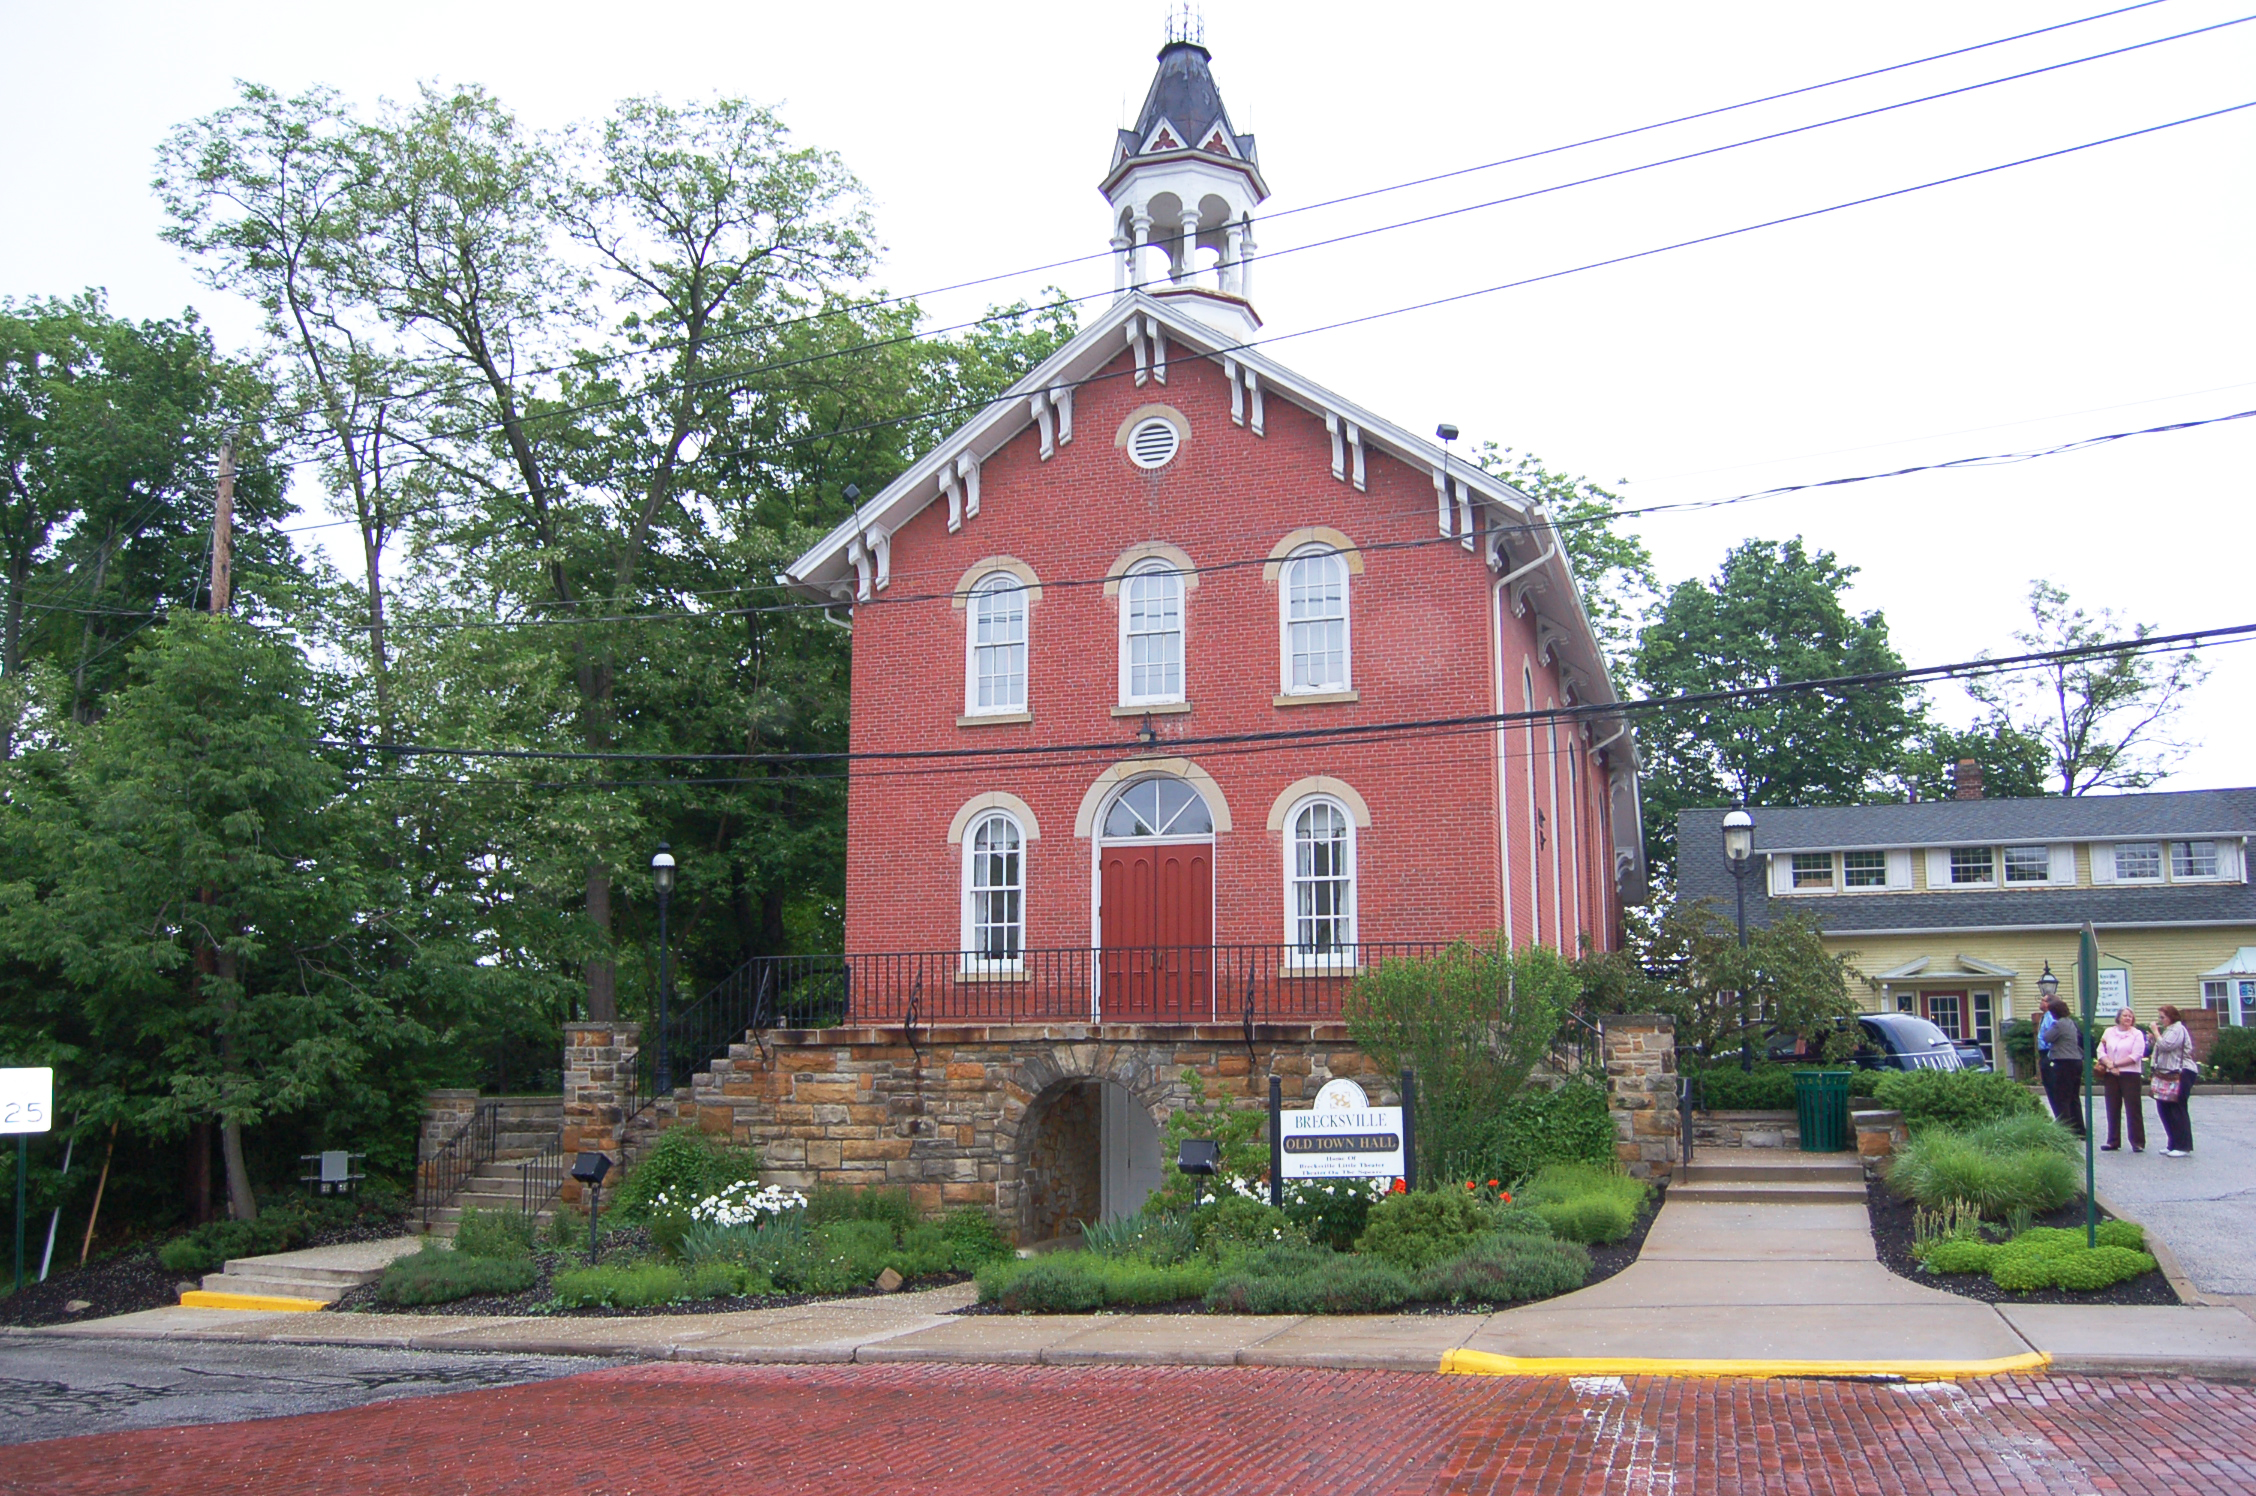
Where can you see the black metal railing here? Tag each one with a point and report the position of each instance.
(1215, 984)
(543, 1177)
(1578, 1046)
(473, 1145)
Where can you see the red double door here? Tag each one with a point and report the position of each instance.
(1156, 914)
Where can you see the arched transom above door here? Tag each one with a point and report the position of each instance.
(1165, 808)
(1095, 801)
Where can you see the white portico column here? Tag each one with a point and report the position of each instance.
(1245, 260)
(1121, 245)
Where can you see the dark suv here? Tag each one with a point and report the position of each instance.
(1903, 1041)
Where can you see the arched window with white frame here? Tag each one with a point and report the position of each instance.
(1151, 634)
(995, 663)
(1312, 596)
(1320, 879)
(994, 900)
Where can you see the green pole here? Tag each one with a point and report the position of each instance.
(2087, 996)
(23, 1149)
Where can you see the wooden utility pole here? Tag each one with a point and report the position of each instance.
(223, 530)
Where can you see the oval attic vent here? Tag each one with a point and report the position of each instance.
(1153, 443)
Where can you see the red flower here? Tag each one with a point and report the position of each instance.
(1492, 1184)
(1399, 1188)
(1507, 1197)
(1468, 1184)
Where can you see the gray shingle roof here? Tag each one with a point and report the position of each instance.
(1703, 873)
(1183, 92)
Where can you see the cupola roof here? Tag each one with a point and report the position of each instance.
(1183, 111)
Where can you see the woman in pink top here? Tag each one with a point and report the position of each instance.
(2119, 1060)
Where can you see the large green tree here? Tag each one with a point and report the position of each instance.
(1772, 615)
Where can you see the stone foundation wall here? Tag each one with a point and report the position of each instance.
(598, 1062)
(1743, 1130)
(956, 1119)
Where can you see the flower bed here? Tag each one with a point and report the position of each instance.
(1895, 1234)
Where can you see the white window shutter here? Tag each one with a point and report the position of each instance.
(2063, 869)
(2103, 862)
(1938, 867)
(1899, 867)
(1781, 873)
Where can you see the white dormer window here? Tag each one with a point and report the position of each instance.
(2028, 864)
(2138, 862)
(1864, 869)
(1314, 601)
(996, 668)
(1151, 634)
(2188, 859)
(1813, 870)
(1971, 865)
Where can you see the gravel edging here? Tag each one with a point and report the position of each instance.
(1892, 1236)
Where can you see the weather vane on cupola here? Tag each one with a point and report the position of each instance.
(1185, 24)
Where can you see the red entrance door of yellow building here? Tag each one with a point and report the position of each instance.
(1157, 921)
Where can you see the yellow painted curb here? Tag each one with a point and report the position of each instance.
(196, 1298)
(1486, 1364)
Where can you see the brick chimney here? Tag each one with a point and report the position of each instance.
(1966, 780)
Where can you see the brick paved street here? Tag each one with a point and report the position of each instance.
(924, 1428)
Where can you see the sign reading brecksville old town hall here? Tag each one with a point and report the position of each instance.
(1343, 1136)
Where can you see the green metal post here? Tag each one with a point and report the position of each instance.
(23, 1156)
(2087, 997)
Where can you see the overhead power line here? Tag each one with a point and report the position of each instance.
(1344, 732)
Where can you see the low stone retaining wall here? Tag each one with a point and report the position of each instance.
(1743, 1130)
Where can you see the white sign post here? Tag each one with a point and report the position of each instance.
(27, 1105)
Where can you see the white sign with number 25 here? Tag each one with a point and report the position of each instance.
(27, 1100)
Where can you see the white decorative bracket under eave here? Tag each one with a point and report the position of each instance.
(967, 468)
(1339, 447)
(1355, 454)
(1550, 641)
(1465, 513)
(1038, 406)
(1158, 348)
(1570, 690)
(1532, 582)
(1237, 390)
(1253, 403)
(1061, 401)
(859, 555)
(1135, 330)
(1441, 498)
(951, 487)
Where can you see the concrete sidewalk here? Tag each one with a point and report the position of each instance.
(1759, 1290)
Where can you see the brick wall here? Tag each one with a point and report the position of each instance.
(1429, 864)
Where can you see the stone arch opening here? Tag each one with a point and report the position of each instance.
(1088, 1151)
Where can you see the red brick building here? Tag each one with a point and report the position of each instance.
(1205, 660)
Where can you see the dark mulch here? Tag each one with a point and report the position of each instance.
(1892, 1233)
(132, 1280)
(1606, 1259)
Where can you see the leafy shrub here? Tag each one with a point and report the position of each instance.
(2099, 1267)
(838, 1202)
(620, 1285)
(1307, 1280)
(1506, 1269)
(1585, 1202)
(1954, 1098)
(1332, 1212)
(1162, 1239)
(1075, 1282)
(927, 1249)
(1985, 1169)
(1518, 1219)
(494, 1233)
(439, 1275)
(1564, 1124)
(723, 1280)
(972, 1238)
(2232, 1057)
(842, 1256)
(1960, 1254)
(684, 1165)
(1418, 1230)
(2056, 1257)
(1769, 1087)
(1228, 1228)
(207, 1248)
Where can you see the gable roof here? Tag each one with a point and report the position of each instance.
(825, 571)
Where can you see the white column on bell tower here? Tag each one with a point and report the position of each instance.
(1121, 244)
(1140, 223)
(1186, 254)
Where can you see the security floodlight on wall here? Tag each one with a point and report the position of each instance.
(1446, 432)
(1738, 835)
(589, 1169)
(1201, 1158)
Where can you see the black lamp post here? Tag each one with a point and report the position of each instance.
(589, 1169)
(1738, 850)
(662, 878)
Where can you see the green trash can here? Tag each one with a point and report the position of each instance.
(1821, 1109)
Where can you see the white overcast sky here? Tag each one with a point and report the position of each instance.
(2103, 291)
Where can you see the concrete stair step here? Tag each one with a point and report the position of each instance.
(1799, 1167)
(285, 1272)
(1755, 1192)
(287, 1288)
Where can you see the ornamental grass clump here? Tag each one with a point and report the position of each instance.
(1163, 1239)
(439, 1275)
(1506, 1269)
(1996, 1168)
(1586, 1202)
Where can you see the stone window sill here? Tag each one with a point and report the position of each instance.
(1319, 698)
(994, 719)
(1152, 709)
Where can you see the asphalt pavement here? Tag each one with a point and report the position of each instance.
(54, 1388)
(2203, 1206)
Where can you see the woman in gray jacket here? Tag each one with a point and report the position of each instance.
(2064, 1072)
(2174, 1072)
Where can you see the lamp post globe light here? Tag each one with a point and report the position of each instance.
(662, 879)
(1739, 850)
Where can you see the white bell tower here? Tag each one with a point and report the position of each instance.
(1183, 186)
